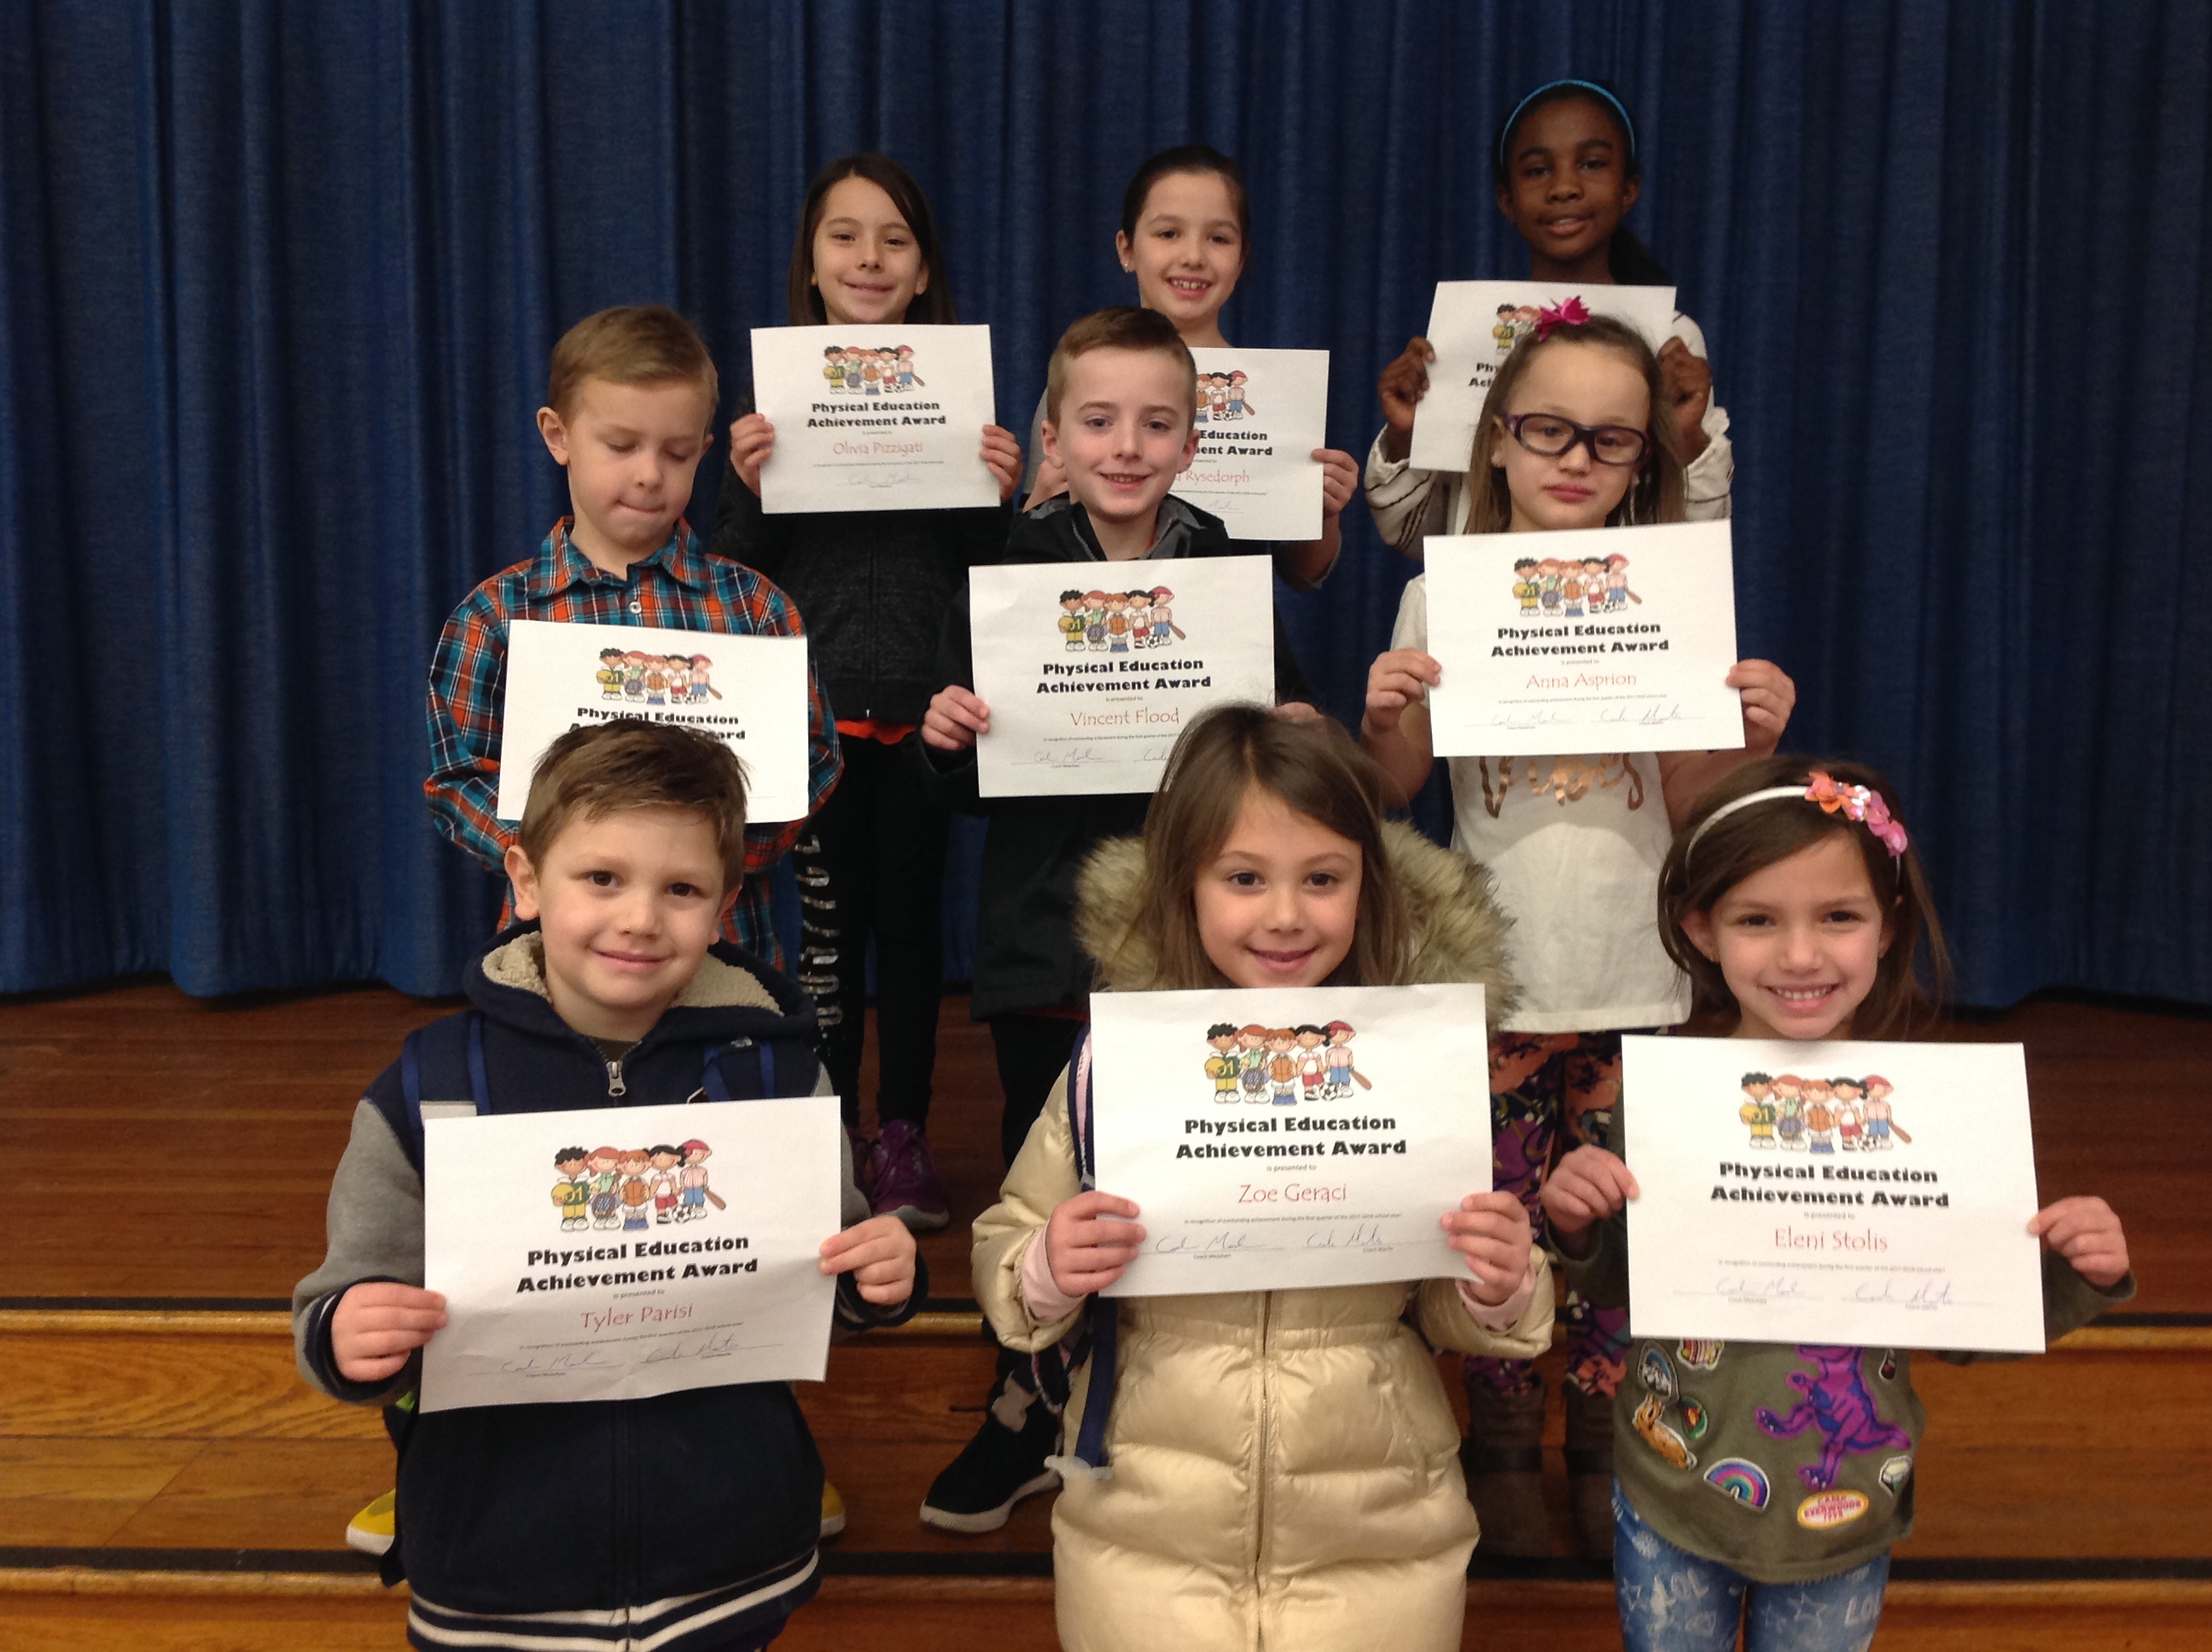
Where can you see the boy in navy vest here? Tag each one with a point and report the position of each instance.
(611, 990)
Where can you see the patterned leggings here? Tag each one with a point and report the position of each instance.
(1539, 1083)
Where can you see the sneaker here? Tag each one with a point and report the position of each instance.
(907, 1184)
(370, 1531)
(1003, 1464)
(833, 1512)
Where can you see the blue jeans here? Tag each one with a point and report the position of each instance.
(1673, 1602)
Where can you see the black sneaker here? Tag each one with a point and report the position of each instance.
(1003, 1464)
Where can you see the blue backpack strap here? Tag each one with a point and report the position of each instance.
(1097, 1336)
(443, 1061)
(1080, 1127)
(797, 1064)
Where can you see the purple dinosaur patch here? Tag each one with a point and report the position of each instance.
(1838, 1404)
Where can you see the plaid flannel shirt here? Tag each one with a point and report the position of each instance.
(679, 587)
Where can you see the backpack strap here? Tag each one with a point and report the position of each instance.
(798, 1063)
(1097, 1332)
(442, 1062)
(1080, 1127)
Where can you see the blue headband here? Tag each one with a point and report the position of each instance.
(1505, 132)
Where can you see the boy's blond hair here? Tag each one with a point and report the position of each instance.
(1120, 327)
(625, 763)
(631, 344)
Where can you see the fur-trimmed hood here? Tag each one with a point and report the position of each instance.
(1458, 930)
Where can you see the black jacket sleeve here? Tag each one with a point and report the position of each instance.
(743, 531)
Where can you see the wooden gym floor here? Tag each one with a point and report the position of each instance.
(166, 1481)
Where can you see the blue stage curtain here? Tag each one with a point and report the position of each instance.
(279, 283)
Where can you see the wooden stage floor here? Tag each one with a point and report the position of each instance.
(167, 1480)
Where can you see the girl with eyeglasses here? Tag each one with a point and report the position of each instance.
(1566, 170)
(1576, 434)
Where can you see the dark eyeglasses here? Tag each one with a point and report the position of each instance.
(1554, 437)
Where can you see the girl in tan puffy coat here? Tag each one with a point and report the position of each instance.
(1283, 1469)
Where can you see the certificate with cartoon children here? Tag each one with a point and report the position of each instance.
(1608, 640)
(1847, 1194)
(1278, 1138)
(874, 417)
(1473, 326)
(615, 1252)
(1091, 669)
(1259, 415)
(748, 692)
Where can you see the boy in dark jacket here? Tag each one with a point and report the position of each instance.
(1118, 417)
(612, 991)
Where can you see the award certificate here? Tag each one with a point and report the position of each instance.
(619, 1252)
(1602, 639)
(1091, 669)
(1865, 1195)
(874, 418)
(1281, 1137)
(749, 692)
(1261, 414)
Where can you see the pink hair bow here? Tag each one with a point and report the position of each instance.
(1571, 312)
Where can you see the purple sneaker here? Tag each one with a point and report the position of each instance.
(907, 1184)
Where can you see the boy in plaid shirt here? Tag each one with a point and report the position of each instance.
(629, 413)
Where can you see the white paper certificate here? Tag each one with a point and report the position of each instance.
(1091, 669)
(1473, 326)
(1260, 416)
(1608, 639)
(749, 692)
(1292, 1137)
(874, 418)
(1866, 1195)
(616, 1252)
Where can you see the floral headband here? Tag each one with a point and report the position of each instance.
(1860, 803)
(1570, 312)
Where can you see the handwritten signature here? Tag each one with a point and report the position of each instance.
(1745, 1287)
(1077, 755)
(1905, 1291)
(1226, 1242)
(1360, 1236)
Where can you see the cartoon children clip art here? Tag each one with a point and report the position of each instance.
(610, 674)
(1252, 1056)
(1880, 1118)
(572, 1187)
(1140, 619)
(1070, 620)
(1341, 1069)
(695, 1192)
(1223, 1065)
(1525, 588)
(1313, 1062)
(1820, 1116)
(1758, 1111)
(605, 1198)
(1282, 1065)
(636, 1190)
(1788, 1112)
(666, 1162)
(1164, 623)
